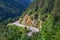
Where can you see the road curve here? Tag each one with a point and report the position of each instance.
(33, 29)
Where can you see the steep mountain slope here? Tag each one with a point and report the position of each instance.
(48, 11)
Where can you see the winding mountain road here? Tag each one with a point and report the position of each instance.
(33, 29)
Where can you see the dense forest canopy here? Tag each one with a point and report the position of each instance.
(47, 11)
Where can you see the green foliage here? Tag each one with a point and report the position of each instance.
(48, 11)
(13, 32)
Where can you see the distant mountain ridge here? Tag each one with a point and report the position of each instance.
(12, 8)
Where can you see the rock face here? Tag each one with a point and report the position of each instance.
(27, 20)
(12, 8)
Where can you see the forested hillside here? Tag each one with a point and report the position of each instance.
(47, 11)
